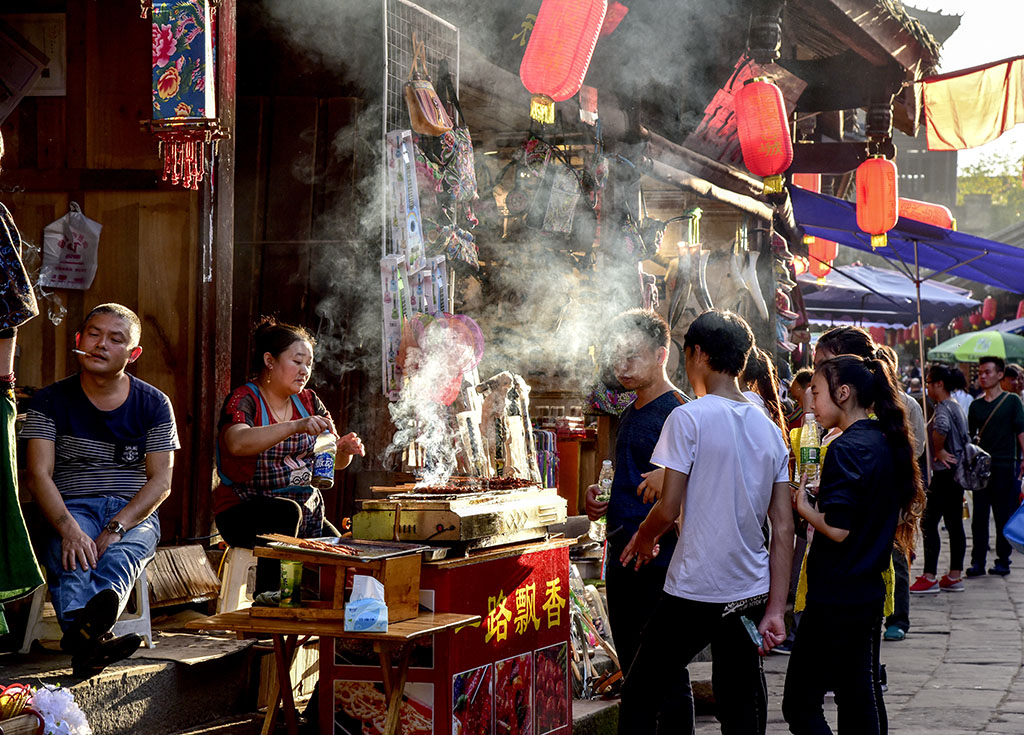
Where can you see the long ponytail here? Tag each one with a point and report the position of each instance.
(760, 372)
(874, 385)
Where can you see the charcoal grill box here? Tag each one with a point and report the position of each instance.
(465, 520)
(507, 674)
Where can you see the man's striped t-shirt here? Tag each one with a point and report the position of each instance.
(101, 452)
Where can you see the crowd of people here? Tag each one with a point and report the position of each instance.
(715, 534)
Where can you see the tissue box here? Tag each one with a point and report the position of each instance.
(366, 616)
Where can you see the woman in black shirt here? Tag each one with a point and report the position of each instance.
(870, 494)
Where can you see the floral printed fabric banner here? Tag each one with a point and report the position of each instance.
(182, 60)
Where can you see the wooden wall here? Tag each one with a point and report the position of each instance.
(88, 147)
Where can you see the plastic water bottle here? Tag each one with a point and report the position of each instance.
(323, 461)
(599, 528)
(810, 453)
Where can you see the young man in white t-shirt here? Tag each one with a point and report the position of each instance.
(727, 468)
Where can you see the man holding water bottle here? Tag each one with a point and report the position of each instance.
(637, 343)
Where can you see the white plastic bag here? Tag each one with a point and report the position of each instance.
(70, 251)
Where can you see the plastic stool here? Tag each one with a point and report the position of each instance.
(237, 581)
(43, 627)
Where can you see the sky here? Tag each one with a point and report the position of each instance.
(990, 30)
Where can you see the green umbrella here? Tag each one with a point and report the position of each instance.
(974, 345)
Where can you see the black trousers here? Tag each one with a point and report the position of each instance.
(946, 503)
(836, 648)
(677, 631)
(1001, 496)
(241, 524)
(632, 598)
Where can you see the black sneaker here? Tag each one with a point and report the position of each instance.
(975, 570)
(106, 652)
(91, 623)
(1000, 568)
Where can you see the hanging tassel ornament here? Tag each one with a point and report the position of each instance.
(184, 108)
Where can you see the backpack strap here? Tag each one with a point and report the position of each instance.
(681, 397)
(1000, 403)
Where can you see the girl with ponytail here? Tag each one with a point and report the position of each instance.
(870, 494)
(762, 383)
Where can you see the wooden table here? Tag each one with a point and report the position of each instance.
(286, 633)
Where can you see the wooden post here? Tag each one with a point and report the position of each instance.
(214, 277)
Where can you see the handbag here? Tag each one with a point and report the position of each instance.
(427, 115)
(1013, 531)
(456, 146)
(974, 469)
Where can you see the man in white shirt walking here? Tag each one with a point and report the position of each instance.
(727, 469)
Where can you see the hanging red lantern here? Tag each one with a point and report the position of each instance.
(558, 54)
(958, 324)
(877, 334)
(763, 127)
(877, 198)
(915, 332)
(819, 268)
(988, 309)
(890, 337)
(975, 319)
(932, 214)
(810, 182)
(1020, 309)
(930, 331)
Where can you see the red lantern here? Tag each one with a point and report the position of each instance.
(988, 309)
(958, 324)
(930, 331)
(975, 319)
(763, 127)
(877, 334)
(915, 332)
(890, 337)
(819, 268)
(810, 182)
(558, 54)
(932, 214)
(1020, 309)
(877, 198)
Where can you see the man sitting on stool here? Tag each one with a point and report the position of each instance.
(100, 449)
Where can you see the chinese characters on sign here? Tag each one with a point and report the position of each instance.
(524, 601)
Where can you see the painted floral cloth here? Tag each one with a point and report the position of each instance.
(182, 59)
(17, 300)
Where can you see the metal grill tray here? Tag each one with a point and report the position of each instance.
(366, 550)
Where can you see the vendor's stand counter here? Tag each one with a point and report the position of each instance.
(490, 654)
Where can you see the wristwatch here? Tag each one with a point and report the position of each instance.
(115, 527)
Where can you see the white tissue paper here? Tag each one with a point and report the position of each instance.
(366, 611)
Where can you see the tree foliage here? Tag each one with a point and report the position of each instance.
(998, 175)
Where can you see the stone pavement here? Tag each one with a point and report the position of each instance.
(958, 671)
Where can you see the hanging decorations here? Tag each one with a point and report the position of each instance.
(558, 54)
(988, 309)
(915, 332)
(877, 198)
(763, 128)
(1020, 309)
(975, 319)
(930, 331)
(184, 110)
(958, 325)
(822, 253)
(932, 214)
(877, 334)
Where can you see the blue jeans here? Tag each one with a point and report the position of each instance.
(118, 568)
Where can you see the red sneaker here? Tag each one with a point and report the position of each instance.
(924, 586)
(951, 585)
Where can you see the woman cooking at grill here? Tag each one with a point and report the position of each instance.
(265, 448)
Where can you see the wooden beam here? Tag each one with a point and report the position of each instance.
(214, 278)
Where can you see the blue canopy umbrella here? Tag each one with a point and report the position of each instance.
(864, 294)
(912, 246)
